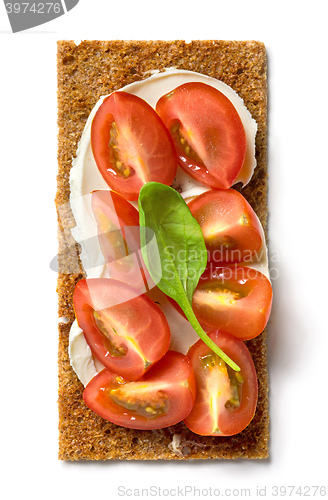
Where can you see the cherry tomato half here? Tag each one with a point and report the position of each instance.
(235, 299)
(225, 400)
(164, 396)
(208, 133)
(126, 331)
(119, 237)
(231, 229)
(131, 145)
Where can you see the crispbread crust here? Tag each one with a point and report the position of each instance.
(86, 72)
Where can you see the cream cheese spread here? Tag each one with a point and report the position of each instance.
(85, 178)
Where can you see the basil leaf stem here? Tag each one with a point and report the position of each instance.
(181, 251)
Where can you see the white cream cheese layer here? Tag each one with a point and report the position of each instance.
(85, 178)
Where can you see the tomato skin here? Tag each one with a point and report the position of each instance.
(208, 133)
(126, 331)
(170, 382)
(231, 229)
(131, 145)
(234, 298)
(119, 238)
(211, 416)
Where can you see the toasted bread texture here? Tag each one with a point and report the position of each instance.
(86, 72)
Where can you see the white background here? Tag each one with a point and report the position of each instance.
(295, 35)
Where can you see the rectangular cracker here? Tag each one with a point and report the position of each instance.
(86, 72)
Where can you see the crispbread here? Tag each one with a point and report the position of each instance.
(86, 72)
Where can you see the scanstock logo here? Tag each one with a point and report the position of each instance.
(25, 15)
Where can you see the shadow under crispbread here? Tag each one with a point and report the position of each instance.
(86, 72)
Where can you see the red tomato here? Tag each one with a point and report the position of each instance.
(164, 396)
(119, 237)
(208, 133)
(131, 145)
(225, 400)
(126, 331)
(235, 299)
(231, 229)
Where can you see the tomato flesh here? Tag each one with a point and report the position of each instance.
(126, 331)
(231, 229)
(235, 299)
(162, 397)
(119, 238)
(131, 145)
(225, 400)
(207, 131)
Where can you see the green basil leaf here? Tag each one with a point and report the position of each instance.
(180, 247)
(179, 238)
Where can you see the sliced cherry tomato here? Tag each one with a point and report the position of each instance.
(231, 229)
(126, 331)
(162, 397)
(225, 400)
(235, 299)
(208, 133)
(119, 238)
(131, 145)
